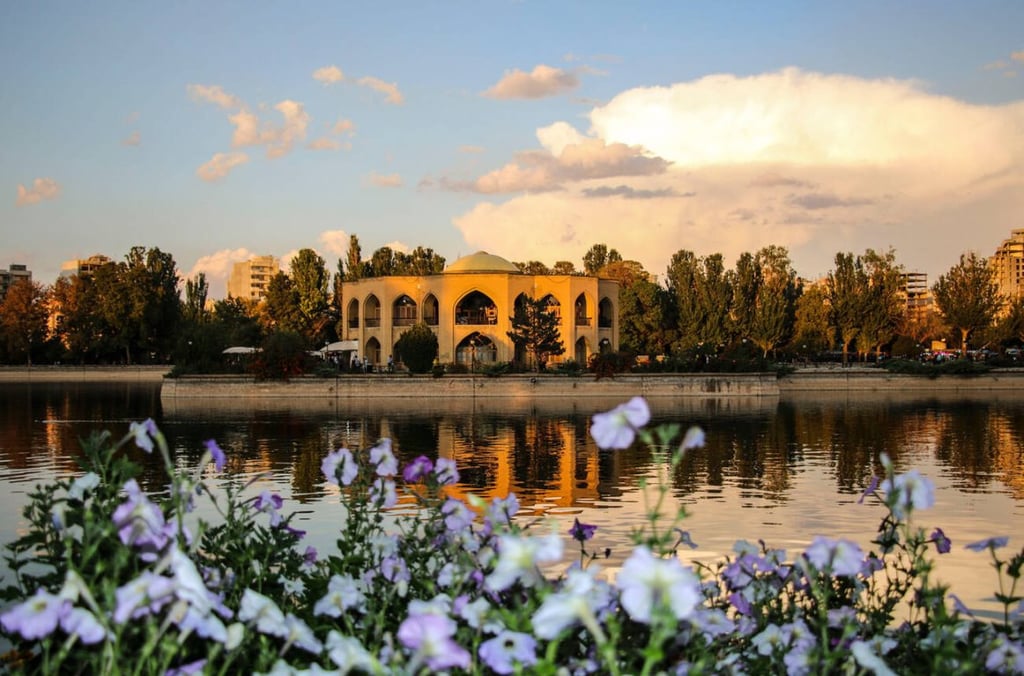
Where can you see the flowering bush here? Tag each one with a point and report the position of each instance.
(110, 579)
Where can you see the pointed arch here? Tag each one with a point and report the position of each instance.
(372, 352)
(553, 305)
(475, 350)
(476, 308)
(353, 314)
(403, 311)
(431, 310)
(580, 311)
(582, 351)
(371, 312)
(605, 314)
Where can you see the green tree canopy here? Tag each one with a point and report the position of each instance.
(968, 297)
(23, 316)
(598, 256)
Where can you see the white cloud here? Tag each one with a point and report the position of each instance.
(389, 89)
(1018, 56)
(335, 241)
(42, 189)
(471, 150)
(328, 75)
(398, 246)
(133, 139)
(816, 163)
(324, 143)
(220, 165)
(217, 268)
(343, 126)
(385, 181)
(216, 95)
(543, 81)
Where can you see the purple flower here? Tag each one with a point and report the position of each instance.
(144, 434)
(457, 517)
(145, 594)
(444, 470)
(383, 493)
(988, 543)
(269, 502)
(37, 617)
(508, 649)
(309, 557)
(942, 543)
(870, 490)
(188, 669)
(340, 458)
(617, 428)
(219, 458)
(694, 438)
(582, 531)
(139, 522)
(417, 470)
(430, 635)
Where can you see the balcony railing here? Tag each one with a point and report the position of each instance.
(404, 321)
(582, 321)
(353, 323)
(604, 323)
(476, 317)
(372, 322)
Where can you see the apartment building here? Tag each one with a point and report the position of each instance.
(11, 275)
(917, 293)
(1008, 264)
(84, 267)
(249, 279)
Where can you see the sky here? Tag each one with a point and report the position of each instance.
(218, 131)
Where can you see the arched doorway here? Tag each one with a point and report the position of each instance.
(372, 352)
(582, 317)
(476, 350)
(604, 346)
(371, 312)
(353, 314)
(605, 314)
(552, 305)
(430, 310)
(581, 353)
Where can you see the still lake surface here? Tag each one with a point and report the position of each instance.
(778, 470)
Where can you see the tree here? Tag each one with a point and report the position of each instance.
(1011, 327)
(563, 268)
(645, 318)
(382, 263)
(847, 295)
(885, 303)
(422, 262)
(309, 280)
(239, 322)
(598, 256)
(23, 316)
(626, 273)
(417, 348)
(774, 309)
(354, 265)
(196, 290)
(968, 297)
(533, 268)
(535, 330)
(812, 327)
(281, 305)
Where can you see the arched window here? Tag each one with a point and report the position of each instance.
(476, 308)
(605, 314)
(403, 312)
(476, 349)
(605, 345)
(430, 310)
(353, 314)
(552, 305)
(582, 317)
(371, 312)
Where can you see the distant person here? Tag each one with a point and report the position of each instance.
(391, 364)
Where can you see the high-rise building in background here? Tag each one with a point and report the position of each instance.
(249, 279)
(11, 275)
(918, 295)
(1008, 264)
(84, 267)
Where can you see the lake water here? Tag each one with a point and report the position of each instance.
(781, 470)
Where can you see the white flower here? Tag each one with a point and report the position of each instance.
(907, 492)
(343, 593)
(348, 653)
(518, 558)
(867, 658)
(384, 459)
(84, 483)
(269, 618)
(646, 581)
(617, 428)
(838, 557)
(579, 600)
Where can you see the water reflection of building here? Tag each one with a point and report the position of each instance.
(469, 307)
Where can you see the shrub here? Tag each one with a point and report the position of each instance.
(496, 369)
(417, 348)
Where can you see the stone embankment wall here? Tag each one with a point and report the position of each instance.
(82, 374)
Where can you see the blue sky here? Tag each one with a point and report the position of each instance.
(217, 131)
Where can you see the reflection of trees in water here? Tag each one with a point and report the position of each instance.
(984, 442)
(538, 445)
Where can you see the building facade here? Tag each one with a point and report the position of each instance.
(469, 307)
(84, 267)
(11, 275)
(1008, 265)
(249, 279)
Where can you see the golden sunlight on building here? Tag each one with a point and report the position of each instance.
(470, 305)
(249, 279)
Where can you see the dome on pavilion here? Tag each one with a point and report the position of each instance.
(482, 261)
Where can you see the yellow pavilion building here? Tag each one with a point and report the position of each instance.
(470, 307)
